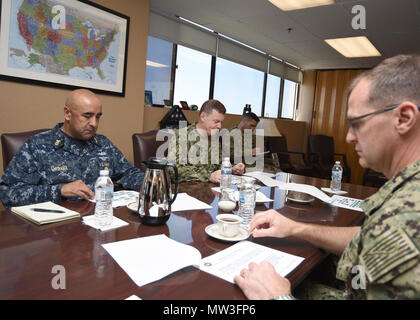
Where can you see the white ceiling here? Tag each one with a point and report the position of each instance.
(393, 26)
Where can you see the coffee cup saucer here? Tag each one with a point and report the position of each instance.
(212, 231)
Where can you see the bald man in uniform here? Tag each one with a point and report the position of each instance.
(64, 162)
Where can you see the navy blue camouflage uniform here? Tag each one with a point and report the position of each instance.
(51, 159)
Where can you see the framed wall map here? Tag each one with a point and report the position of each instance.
(64, 43)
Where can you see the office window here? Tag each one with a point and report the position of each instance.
(192, 76)
(158, 69)
(272, 96)
(289, 99)
(237, 85)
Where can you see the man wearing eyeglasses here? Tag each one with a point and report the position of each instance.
(380, 259)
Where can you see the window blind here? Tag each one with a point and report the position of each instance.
(175, 30)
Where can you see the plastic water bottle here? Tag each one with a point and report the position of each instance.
(226, 174)
(247, 196)
(104, 191)
(336, 175)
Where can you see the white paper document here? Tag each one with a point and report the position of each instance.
(133, 297)
(259, 174)
(184, 201)
(122, 198)
(347, 203)
(152, 258)
(227, 263)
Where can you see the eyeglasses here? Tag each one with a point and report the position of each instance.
(351, 120)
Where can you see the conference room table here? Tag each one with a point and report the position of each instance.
(29, 253)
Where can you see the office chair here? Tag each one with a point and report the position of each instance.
(11, 143)
(145, 146)
(278, 145)
(322, 156)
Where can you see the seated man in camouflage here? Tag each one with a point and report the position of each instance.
(196, 149)
(64, 163)
(380, 259)
(249, 122)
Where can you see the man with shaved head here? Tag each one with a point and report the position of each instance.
(64, 162)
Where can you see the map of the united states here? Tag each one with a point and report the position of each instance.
(83, 42)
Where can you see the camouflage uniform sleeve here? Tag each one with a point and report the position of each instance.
(392, 263)
(124, 173)
(21, 182)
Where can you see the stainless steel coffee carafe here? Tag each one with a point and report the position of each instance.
(156, 194)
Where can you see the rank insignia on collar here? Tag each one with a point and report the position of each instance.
(57, 142)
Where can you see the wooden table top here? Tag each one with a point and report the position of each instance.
(28, 253)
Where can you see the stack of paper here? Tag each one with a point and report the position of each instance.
(50, 212)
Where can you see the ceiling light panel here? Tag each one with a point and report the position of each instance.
(289, 5)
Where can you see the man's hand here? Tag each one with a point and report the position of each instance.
(238, 169)
(77, 189)
(262, 282)
(215, 176)
(270, 223)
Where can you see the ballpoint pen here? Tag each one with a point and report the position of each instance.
(47, 210)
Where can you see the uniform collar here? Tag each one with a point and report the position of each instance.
(61, 139)
(375, 201)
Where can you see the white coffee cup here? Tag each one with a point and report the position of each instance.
(228, 224)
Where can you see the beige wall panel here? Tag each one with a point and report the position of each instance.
(25, 107)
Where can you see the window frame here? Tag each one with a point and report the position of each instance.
(213, 79)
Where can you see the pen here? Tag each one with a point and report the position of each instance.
(47, 210)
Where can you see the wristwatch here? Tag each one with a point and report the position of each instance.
(284, 297)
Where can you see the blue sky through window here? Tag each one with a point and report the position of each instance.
(237, 85)
(192, 77)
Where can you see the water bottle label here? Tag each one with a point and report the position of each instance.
(109, 195)
(241, 199)
(227, 171)
(336, 174)
(105, 195)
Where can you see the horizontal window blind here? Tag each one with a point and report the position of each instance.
(238, 53)
(181, 32)
(285, 71)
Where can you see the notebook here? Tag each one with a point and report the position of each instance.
(45, 217)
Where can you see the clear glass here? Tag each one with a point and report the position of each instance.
(237, 85)
(227, 200)
(192, 76)
(158, 69)
(272, 96)
(289, 99)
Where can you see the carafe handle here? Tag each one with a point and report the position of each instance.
(176, 182)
